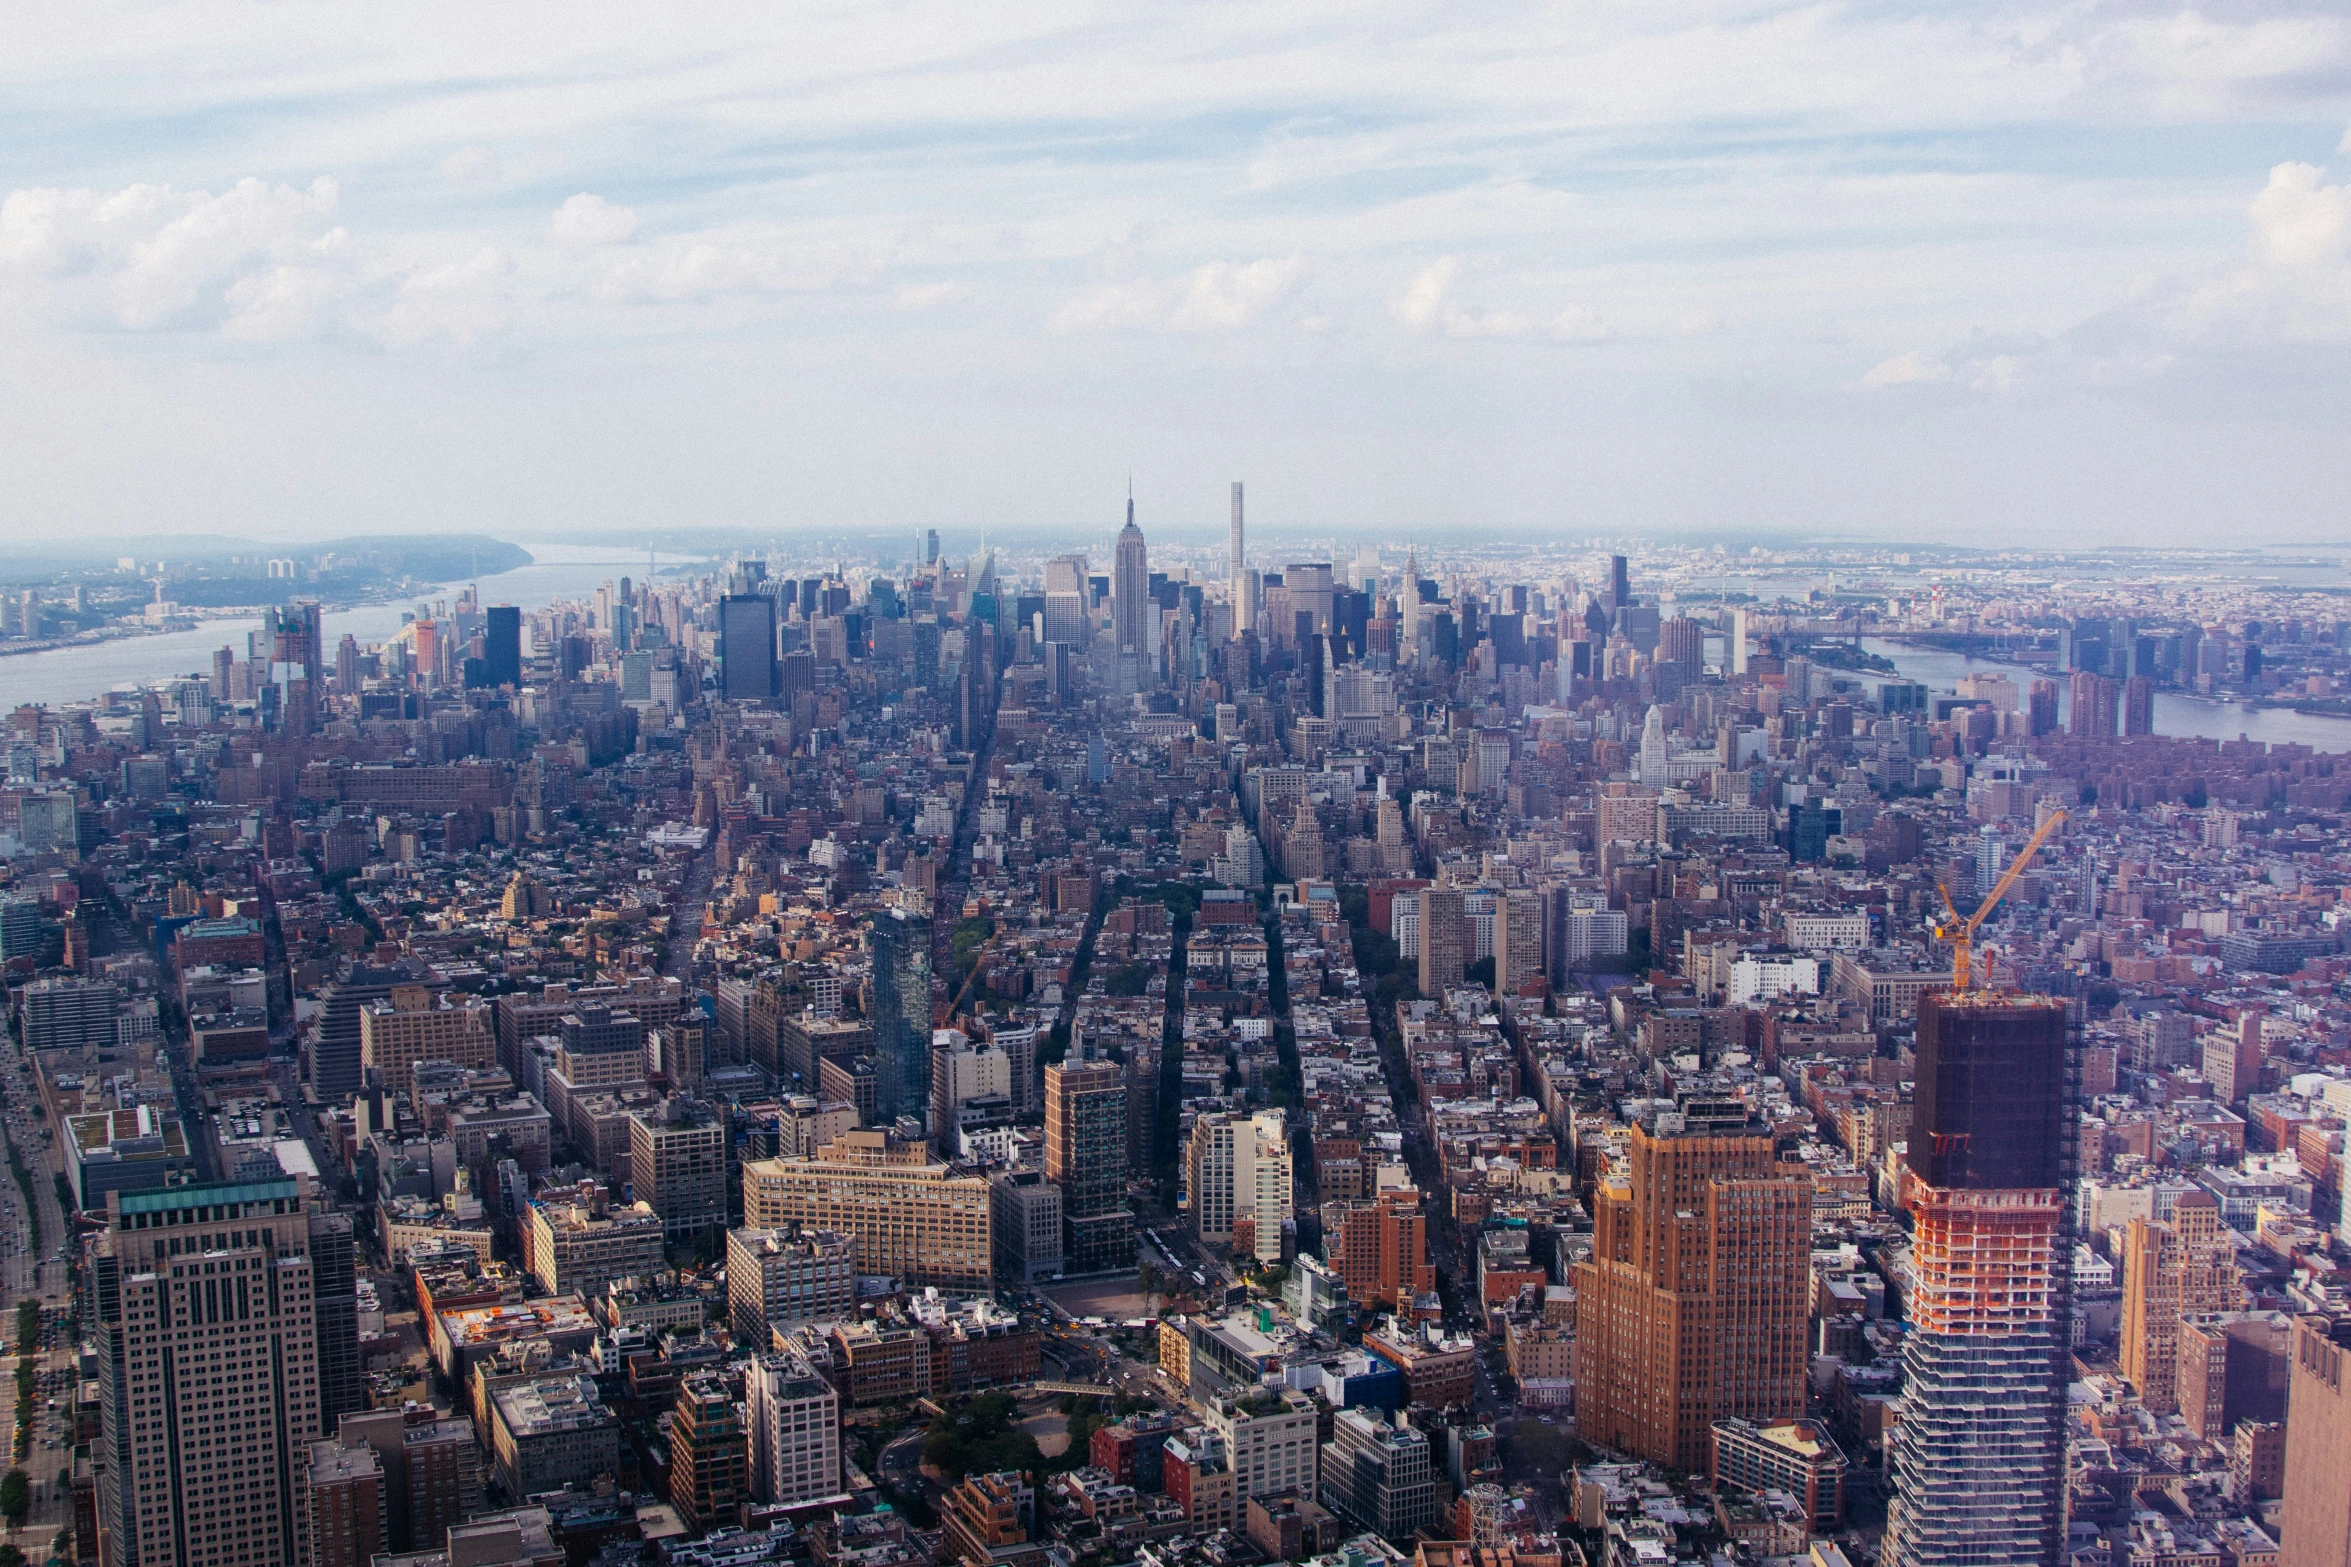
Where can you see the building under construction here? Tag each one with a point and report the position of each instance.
(1978, 1461)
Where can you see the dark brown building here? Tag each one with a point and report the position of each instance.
(709, 1453)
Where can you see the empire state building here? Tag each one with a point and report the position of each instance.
(1130, 587)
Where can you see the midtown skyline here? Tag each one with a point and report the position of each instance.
(2041, 270)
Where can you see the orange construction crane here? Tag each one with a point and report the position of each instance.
(1961, 933)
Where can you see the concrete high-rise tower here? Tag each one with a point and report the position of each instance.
(1130, 587)
(1237, 554)
(1978, 1462)
(1244, 589)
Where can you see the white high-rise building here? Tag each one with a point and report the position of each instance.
(795, 1420)
(1241, 1181)
(1237, 552)
(1654, 763)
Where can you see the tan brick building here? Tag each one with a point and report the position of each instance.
(1692, 1308)
(910, 1216)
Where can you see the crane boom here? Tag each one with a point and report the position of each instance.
(1961, 933)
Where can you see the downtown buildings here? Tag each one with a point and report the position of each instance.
(1724, 870)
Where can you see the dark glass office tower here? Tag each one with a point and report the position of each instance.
(747, 647)
(1978, 1462)
(334, 1271)
(901, 948)
(502, 645)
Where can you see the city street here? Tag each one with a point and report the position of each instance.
(35, 1268)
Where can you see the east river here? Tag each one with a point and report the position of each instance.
(2175, 714)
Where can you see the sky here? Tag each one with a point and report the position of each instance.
(2068, 272)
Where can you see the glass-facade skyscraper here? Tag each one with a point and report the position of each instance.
(901, 946)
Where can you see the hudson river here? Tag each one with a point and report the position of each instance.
(75, 674)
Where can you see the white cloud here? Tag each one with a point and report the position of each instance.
(928, 296)
(252, 264)
(2299, 222)
(1907, 370)
(1575, 324)
(1217, 297)
(587, 221)
(459, 301)
(2290, 286)
(1423, 303)
(161, 258)
(702, 269)
(1427, 305)
(1223, 295)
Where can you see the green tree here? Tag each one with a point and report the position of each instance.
(16, 1497)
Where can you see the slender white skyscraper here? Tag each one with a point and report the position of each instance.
(1236, 530)
(1244, 581)
(1738, 641)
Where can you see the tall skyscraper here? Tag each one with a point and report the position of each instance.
(709, 1453)
(2168, 1271)
(902, 1014)
(2138, 705)
(795, 1421)
(2317, 1524)
(1693, 1306)
(2093, 715)
(747, 647)
(2041, 708)
(1978, 1462)
(1240, 1182)
(1381, 1251)
(1620, 583)
(342, 1377)
(1243, 588)
(1068, 614)
(502, 645)
(208, 1374)
(1086, 1156)
(1130, 586)
(1443, 938)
